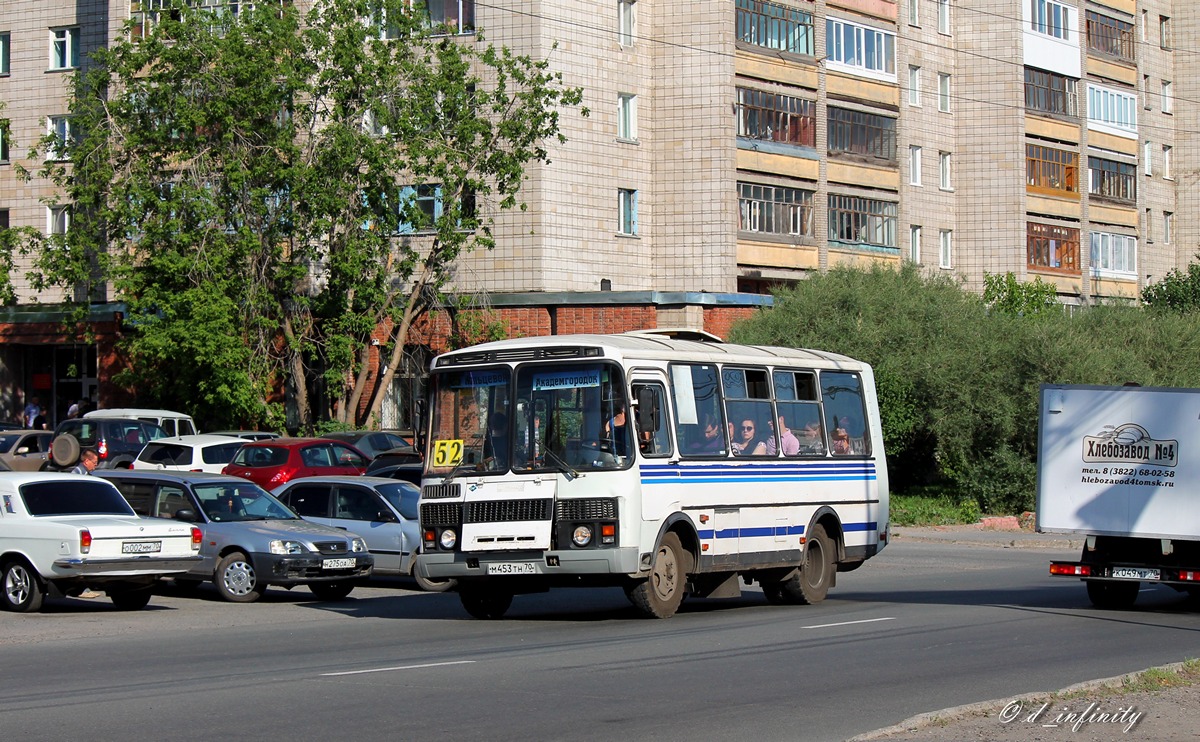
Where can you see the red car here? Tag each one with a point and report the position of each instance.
(271, 463)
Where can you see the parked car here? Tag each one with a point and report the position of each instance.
(410, 473)
(61, 534)
(117, 441)
(401, 455)
(189, 453)
(250, 539)
(175, 423)
(25, 450)
(280, 460)
(250, 435)
(382, 511)
(370, 442)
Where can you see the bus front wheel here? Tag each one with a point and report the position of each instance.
(659, 595)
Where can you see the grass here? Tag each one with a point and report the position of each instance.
(925, 510)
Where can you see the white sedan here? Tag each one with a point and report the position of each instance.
(61, 534)
(188, 453)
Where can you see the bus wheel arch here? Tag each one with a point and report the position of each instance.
(659, 594)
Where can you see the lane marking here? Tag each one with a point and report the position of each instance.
(848, 623)
(393, 669)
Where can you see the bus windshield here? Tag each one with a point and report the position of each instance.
(560, 416)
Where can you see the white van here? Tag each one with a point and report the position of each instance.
(175, 423)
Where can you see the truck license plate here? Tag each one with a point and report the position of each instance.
(512, 568)
(141, 547)
(1135, 573)
(338, 564)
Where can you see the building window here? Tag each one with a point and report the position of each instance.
(1146, 92)
(1052, 19)
(1147, 164)
(1168, 227)
(1164, 33)
(914, 86)
(1145, 25)
(4, 219)
(777, 27)
(914, 12)
(1166, 162)
(861, 133)
(1112, 109)
(1112, 180)
(914, 243)
(1046, 92)
(627, 217)
(1110, 36)
(625, 22)
(943, 92)
(58, 220)
(944, 171)
(1149, 228)
(64, 135)
(64, 48)
(944, 252)
(862, 221)
(768, 209)
(4, 141)
(776, 117)
(1051, 247)
(860, 48)
(1168, 97)
(626, 116)
(914, 165)
(1051, 170)
(943, 11)
(5, 53)
(1114, 255)
(450, 16)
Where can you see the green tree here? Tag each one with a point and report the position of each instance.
(265, 191)
(1004, 293)
(1178, 291)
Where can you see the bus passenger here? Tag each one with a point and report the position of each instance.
(712, 443)
(750, 444)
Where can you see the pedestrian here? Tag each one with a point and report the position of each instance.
(73, 411)
(87, 462)
(31, 411)
(39, 420)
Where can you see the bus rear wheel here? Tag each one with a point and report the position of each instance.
(659, 595)
(811, 584)
(485, 604)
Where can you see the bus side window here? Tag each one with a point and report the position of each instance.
(846, 414)
(699, 426)
(652, 437)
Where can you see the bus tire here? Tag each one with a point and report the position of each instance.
(1113, 596)
(484, 603)
(811, 584)
(659, 595)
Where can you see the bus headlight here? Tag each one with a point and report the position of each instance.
(449, 538)
(582, 535)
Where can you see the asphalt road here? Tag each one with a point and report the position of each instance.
(923, 626)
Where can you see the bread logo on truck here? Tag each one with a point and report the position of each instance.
(1131, 444)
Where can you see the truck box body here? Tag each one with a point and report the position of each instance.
(1120, 461)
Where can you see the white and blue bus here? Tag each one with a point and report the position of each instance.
(662, 464)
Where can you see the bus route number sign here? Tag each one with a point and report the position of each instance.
(447, 452)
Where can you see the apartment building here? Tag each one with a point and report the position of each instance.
(734, 145)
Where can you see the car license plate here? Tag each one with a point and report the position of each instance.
(339, 564)
(141, 547)
(1135, 573)
(512, 568)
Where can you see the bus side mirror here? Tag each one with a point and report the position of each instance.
(419, 425)
(647, 409)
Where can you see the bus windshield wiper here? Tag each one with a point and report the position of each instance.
(560, 465)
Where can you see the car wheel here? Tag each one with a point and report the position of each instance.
(331, 590)
(432, 586)
(660, 594)
(23, 592)
(131, 600)
(237, 581)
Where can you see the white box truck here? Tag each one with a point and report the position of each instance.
(1121, 467)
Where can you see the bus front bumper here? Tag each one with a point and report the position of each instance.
(567, 563)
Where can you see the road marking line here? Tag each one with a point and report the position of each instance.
(848, 623)
(391, 669)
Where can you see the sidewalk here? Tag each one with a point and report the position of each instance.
(1003, 532)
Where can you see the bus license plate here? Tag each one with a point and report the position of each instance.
(512, 568)
(141, 547)
(338, 564)
(1135, 573)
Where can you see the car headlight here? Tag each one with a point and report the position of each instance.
(358, 545)
(449, 538)
(287, 547)
(582, 535)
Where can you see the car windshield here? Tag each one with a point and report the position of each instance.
(74, 497)
(403, 496)
(261, 456)
(235, 501)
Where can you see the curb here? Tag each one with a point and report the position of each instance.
(920, 721)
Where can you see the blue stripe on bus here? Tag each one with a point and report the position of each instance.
(708, 534)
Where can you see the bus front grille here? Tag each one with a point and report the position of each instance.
(592, 508)
(503, 511)
(438, 491)
(440, 514)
